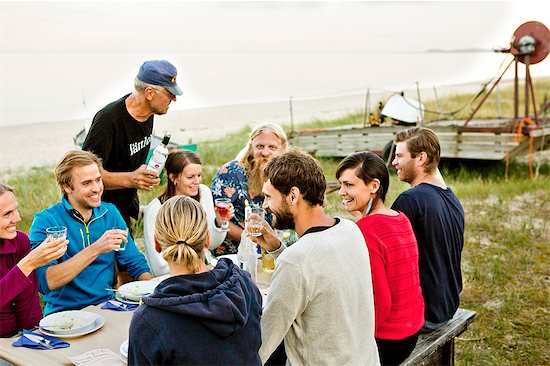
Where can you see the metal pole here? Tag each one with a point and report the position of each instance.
(499, 111)
(420, 105)
(516, 91)
(367, 108)
(487, 95)
(438, 104)
(527, 81)
(291, 116)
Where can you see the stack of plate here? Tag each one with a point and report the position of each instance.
(132, 292)
(124, 351)
(72, 323)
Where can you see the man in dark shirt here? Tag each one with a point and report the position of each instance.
(120, 135)
(437, 218)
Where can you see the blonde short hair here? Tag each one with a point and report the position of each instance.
(181, 230)
(5, 188)
(73, 159)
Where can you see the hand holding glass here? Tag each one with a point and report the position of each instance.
(254, 220)
(222, 206)
(122, 243)
(56, 232)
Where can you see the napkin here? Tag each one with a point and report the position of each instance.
(42, 341)
(119, 306)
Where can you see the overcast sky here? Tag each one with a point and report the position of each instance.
(178, 26)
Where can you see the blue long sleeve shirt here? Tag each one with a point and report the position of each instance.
(88, 287)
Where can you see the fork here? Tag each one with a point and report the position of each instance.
(119, 304)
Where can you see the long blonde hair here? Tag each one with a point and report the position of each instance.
(181, 230)
(245, 156)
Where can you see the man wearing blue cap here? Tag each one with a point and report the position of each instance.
(120, 135)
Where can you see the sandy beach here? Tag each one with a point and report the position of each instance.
(41, 144)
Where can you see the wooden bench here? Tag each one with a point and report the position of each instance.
(438, 347)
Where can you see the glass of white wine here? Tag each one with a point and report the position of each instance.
(254, 217)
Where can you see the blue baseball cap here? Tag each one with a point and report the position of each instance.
(160, 72)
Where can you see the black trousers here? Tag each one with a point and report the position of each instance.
(277, 358)
(393, 352)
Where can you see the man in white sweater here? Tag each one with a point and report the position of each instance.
(321, 300)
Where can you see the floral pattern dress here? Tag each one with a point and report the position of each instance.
(231, 181)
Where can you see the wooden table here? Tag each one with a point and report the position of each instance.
(113, 333)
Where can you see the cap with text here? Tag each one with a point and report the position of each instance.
(161, 73)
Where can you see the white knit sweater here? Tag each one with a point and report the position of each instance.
(321, 300)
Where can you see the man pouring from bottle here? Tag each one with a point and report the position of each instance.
(120, 135)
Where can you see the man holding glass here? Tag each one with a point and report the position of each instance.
(321, 300)
(121, 135)
(96, 233)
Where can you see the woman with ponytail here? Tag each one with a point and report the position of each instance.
(393, 252)
(199, 315)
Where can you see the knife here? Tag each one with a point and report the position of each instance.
(40, 340)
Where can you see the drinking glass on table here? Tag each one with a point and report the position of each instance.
(222, 206)
(254, 217)
(56, 232)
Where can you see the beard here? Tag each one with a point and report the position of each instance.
(256, 176)
(283, 219)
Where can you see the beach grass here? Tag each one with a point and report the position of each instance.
(505, 257)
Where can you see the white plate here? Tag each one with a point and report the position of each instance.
(124, 351)
(125, 300)
(99, 322)
(233, 257)
(134, 291)
(68, 322)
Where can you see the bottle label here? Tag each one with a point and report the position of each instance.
(156, 163)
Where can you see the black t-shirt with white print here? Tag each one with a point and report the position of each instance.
(123, 144)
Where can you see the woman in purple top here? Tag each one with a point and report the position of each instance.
(19, 305)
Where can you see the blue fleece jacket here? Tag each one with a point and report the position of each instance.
(210, 318)
(88, 287)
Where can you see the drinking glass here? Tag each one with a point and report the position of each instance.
(122, 243)
(254, 216)
(56, 232)
(222, 206)
(268, 262)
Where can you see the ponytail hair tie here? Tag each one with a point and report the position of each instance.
(182, 242)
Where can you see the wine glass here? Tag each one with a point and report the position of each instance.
(222, 206)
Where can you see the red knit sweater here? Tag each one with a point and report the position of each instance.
(393, 251)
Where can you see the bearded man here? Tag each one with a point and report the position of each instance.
(321, 299)
(241, 180)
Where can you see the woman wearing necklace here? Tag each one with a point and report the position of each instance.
(393, 252)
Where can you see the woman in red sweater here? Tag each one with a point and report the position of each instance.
(393, 251)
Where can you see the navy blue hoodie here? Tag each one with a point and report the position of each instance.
(210, 318)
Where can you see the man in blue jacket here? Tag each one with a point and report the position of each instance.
(95, 231)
